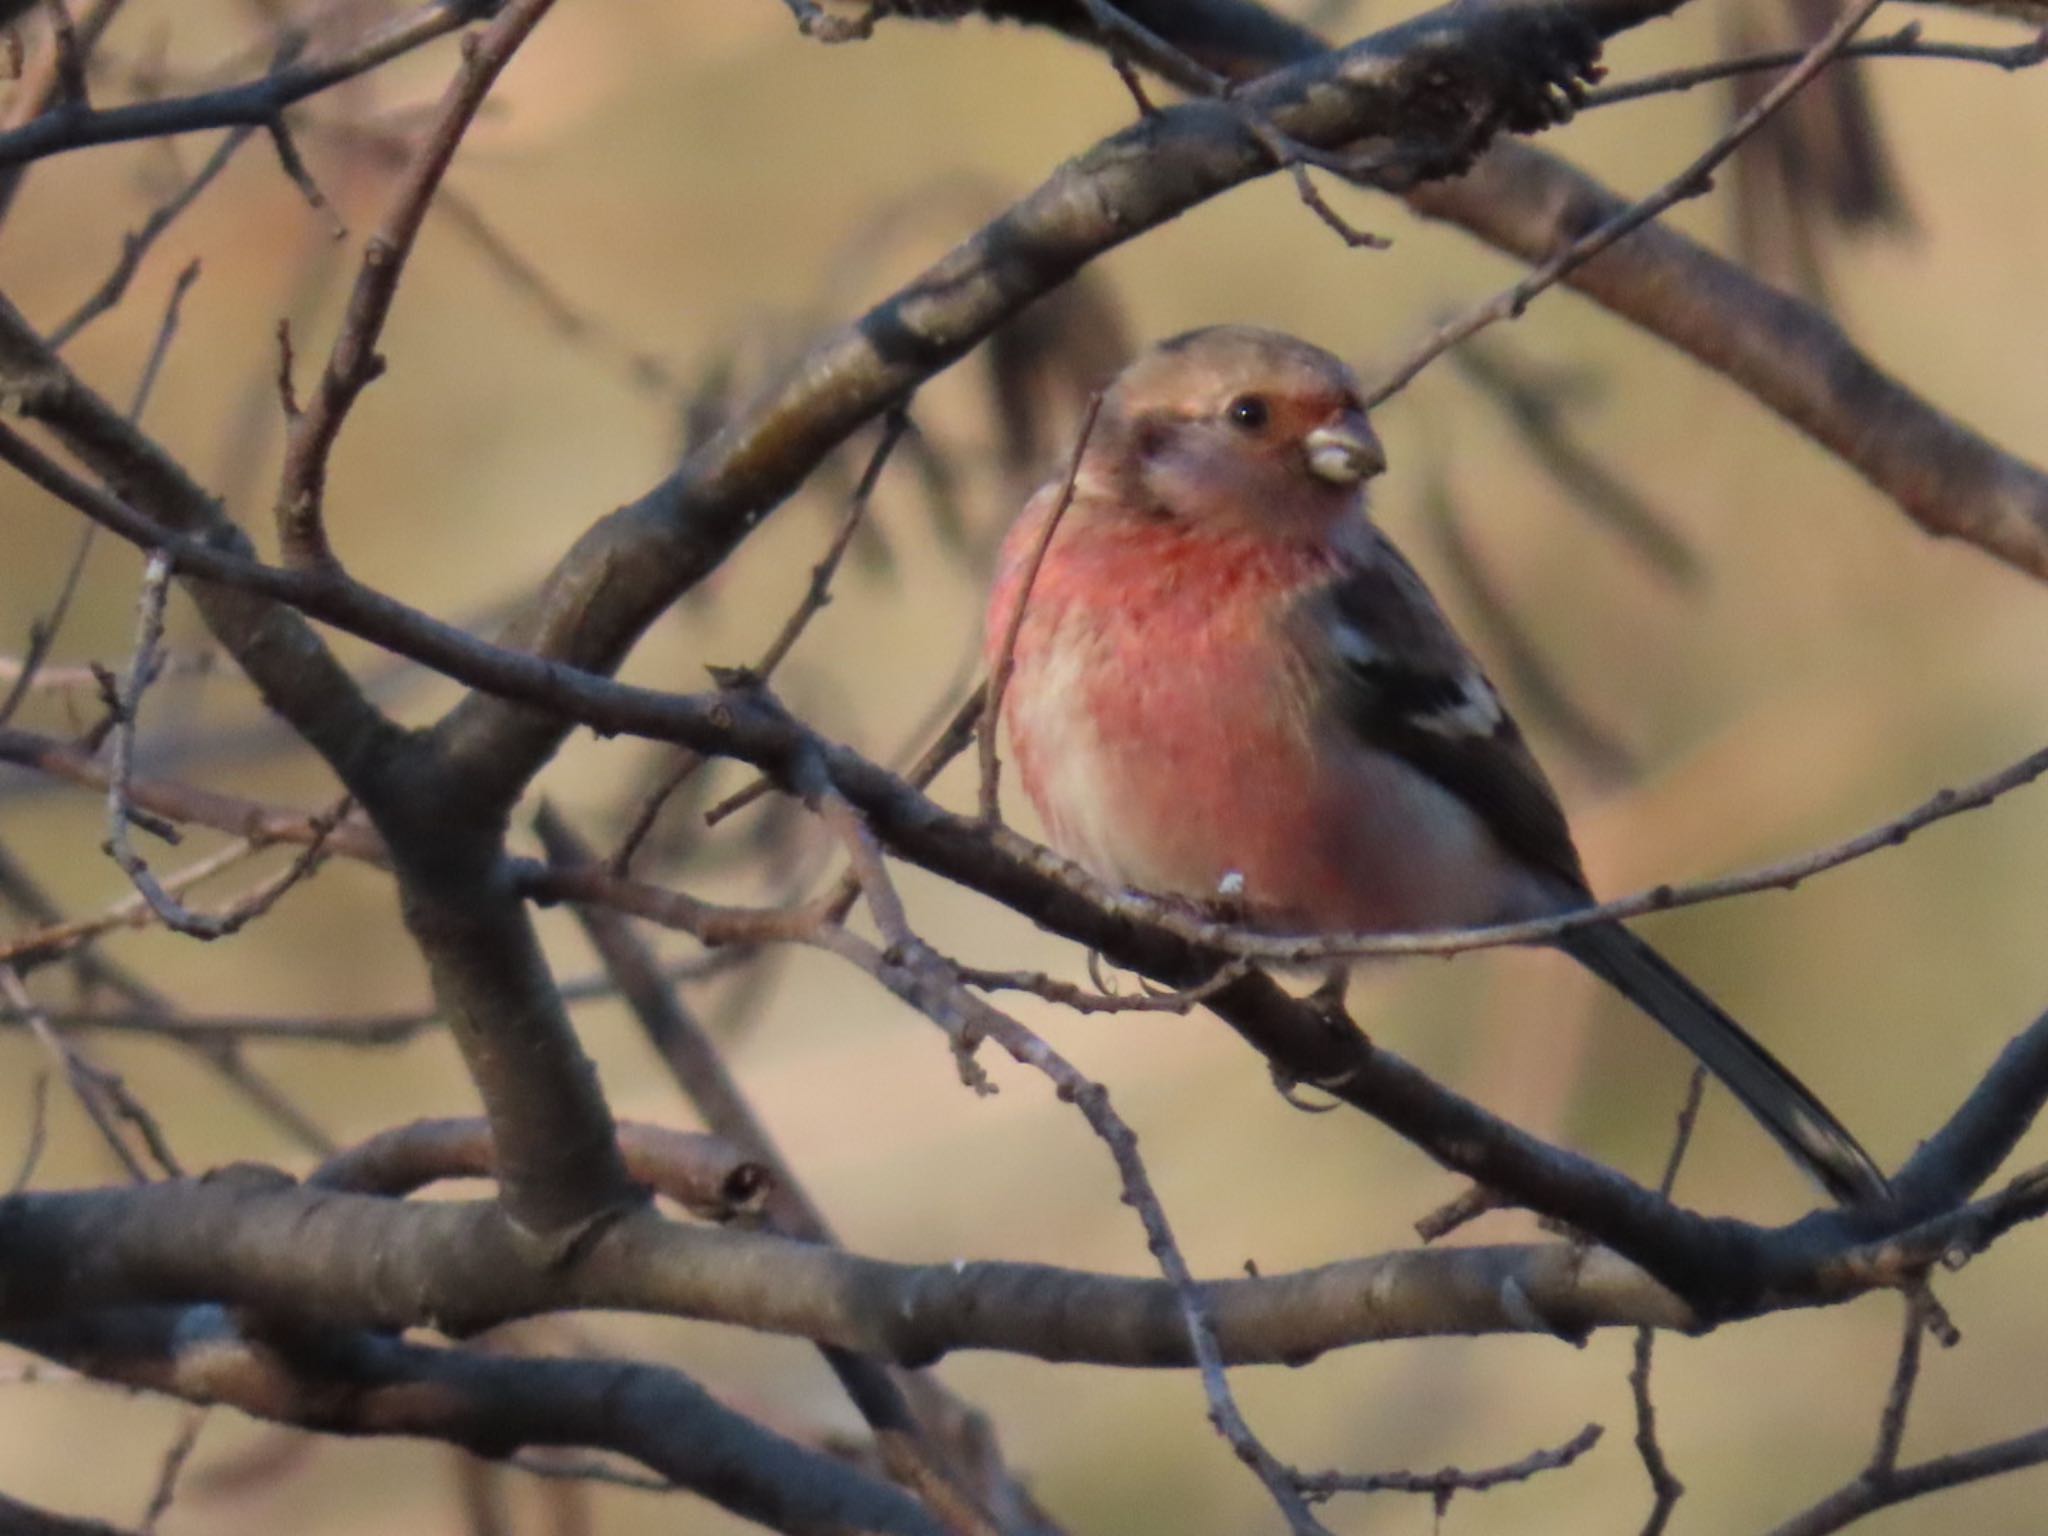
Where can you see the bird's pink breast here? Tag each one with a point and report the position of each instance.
(1168, 734)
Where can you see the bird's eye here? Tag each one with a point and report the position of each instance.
(1249, 412)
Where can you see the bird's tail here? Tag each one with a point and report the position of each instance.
(1782, 1104)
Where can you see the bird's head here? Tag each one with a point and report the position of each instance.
(1236, 427)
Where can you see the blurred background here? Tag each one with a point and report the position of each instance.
(660, 204)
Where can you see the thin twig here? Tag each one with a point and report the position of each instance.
(255, 102)
(136, 244)
(43, 633)
(38, 1133)
(1665, 1488)
(1693, 181)
(175, 1456)
(166, 332)
(1891, 1423)
(120, 812)
(1474, 1201)
(72, 92)
(819, 592)
(1906, 43)
(354, 361)
(293, 164)
(1125, 39)
(1444, 1482)
(1006, 654)
(816, 595)
(1863, 1496)
(134, 910)
(921, 977)
(1087, 1000)
(100, 1093)
(1785, 875)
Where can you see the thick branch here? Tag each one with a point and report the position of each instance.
(494, 1405)
(257, 1240)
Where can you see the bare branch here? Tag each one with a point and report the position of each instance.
(1442, 1483)
(1865, 1496)
(1693, 181)
(367, 1384)
(913, 971)
(256, 103)
(173, 913)
(1891, 1424)
(175, 1456)
(706, 1175)
(1906, 43)
(1665, 1488)
(136, 244)
(355, 362)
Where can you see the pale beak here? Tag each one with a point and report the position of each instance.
(1344, 452)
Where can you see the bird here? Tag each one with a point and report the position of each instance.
(1226, 686)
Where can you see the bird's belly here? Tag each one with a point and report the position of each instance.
(1203, 776)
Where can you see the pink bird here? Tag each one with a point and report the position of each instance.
(1227, 683)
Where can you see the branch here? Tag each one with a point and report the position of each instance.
(492, 1405)
(19, 1519)
(706, 1175)
(354, 363)
(1445, 1481)
(1906, 43)
(249, 1238)
(257, 103)
(1867, 1495)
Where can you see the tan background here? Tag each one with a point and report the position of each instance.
(690, 173)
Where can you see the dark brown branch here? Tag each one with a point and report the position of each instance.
(19, 1519)
(366, 1384)
(37, 91)
(706, 1175)
(559, 1157)
(257, 103)
(247, 1238)
(1865, 1496)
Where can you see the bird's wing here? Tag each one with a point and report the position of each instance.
(1403, 683)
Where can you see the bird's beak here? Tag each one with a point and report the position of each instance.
(1345, 451)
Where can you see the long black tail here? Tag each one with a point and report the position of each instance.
(1781, 1103)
